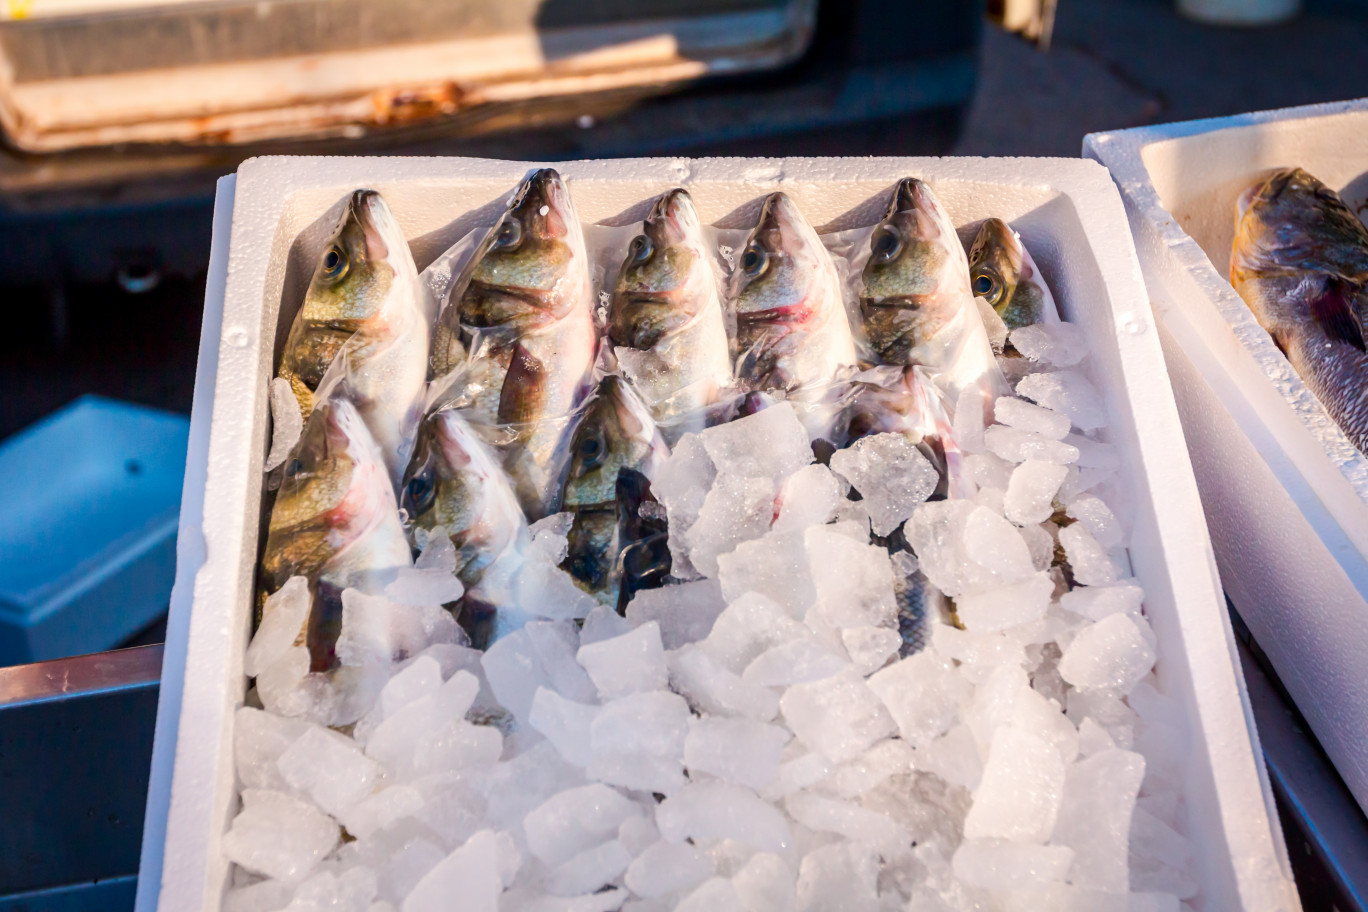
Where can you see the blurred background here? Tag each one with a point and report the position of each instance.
(117, 117)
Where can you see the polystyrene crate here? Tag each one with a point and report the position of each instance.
(270, 222)
(88, 503)
(1285, 492)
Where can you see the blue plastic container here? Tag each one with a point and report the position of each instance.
(89, 499)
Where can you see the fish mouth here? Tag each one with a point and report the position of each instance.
(787, 313)
(895, 302)
(912, 195)
(376, 220)
(777, 210)
(543, 203)
(673, 216)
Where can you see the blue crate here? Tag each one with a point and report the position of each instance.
(89, 499)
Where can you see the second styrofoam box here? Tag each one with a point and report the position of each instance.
(282, 210)
(1285, 492)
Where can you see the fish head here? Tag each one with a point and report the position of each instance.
(995, 261)
(521, 274)
(444, 479)
(330, 495)
(778, 268)
(655, 287)
(353, 274)
(912, 281)
(615, 432)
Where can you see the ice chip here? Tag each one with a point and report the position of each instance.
(809, 497)
(1097, 602)
(259, 738)
(775, 566)
(471, 872)
(766, 884)
(853, 580)
(737, 509)
(795, 661)
(603, 623)
(1001, 865)
(1015, 445)
(740, 751)
(1025, 416)
(574, 820)
(870, 648)
(638, 742)
(750, 625)
(667, 867)
(1111, 656)
(282, 622)
(1019, 795)
(923, 693)
(995, 544)
(541, 654)
(968, 422)
(839, 716)
(838, 878)
(892, 476)
(768, 444)
(999, 609)
(278, 836)
(715, 689)
(873, 767)
(330, 768)
(954, 757)
(1060, 344)
(381, 809)
(1099, 519)
(420, 677)
(1091, 564)
(685, 612)
(987, 470)
(1031, 491)
(262, 896)
(1069, 393)
(565, 724)
(589, 870)
(716, 895)
(845, 818)
(626, 664)
(716, 810)
(1095, 818)
(287, 423)
(425, 585)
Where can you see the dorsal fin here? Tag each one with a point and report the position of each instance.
(524, 387)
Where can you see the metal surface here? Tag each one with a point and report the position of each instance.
(75, 747)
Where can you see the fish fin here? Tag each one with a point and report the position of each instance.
(524, 387)
(1332, 307)
(324, 626)
(645, 558)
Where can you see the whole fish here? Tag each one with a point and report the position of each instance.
(1300, 261)
(616, 437)
(363, 304)
(665, 317)
(791, 325)
(334, 521)
(916, 299)
(521, 324)
(1003, 275)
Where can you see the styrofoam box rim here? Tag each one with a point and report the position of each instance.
(1240, 856)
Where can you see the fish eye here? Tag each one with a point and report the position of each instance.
(886, 244)
(590, 450)
(509, 236)
(419, 493)
(986, 286)
(641, 249)
(754, 260)
(335, 263)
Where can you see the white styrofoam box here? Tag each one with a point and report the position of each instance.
(1285, 492)
(1070, 216)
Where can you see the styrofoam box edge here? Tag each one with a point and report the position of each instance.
(1285, 490)
(1240, 860)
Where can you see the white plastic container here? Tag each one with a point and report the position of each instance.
(1285, 492)
(272, 218)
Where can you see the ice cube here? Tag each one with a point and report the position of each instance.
(685, 612)
(995, 545)
(631, 663)
(471, 872)
(1093, 738)
(278, 836)
(1018, 797)
(999, 609)
(775, 566)
(954, 757)
(1095, 818)
(1041, 544)
(541, 654)
(1061, 344)
(542, 589)
(715, 689)
(740, 751)
(809, 497)
(1015, 445)
(838, 716)
(768, 444)
(717, 810)
(434, 586)
(1069, 393)
(874, 766)
(870, 648)
(737, 509)
(282, 623)
(638, 742)
(800, 772)
(1098, 518)
(1152, 839)
(1110, 656)
(796, 661)
(667, 867)
(892, 476)
(550, 537)
(262, 896)
(1025, 416)
(1031, 491)
(330, 768)
(1091, 564)
(1001, 865)
(565, 724)
(766, 884)
(854, 581)
(575, 820)
(382, 809)
(845, 818)
(603, 623)
(259, 738)
(716, 895)
(589, 870)
(838, 878)
(420, 677)
(516, 786)
(682, 480)
(1097, 602)
(923, 693)
(987, 470)
(350, 891)
(750, 625)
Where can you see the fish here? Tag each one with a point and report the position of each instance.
(334, 521)
(1005, 277)
(791, 325)
(455, 482)
(363, 311)
(916, 300)
(665, 316)
(520, 326)
(615, 436)
(1300, 262)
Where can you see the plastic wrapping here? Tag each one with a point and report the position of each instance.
(1007, 284)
